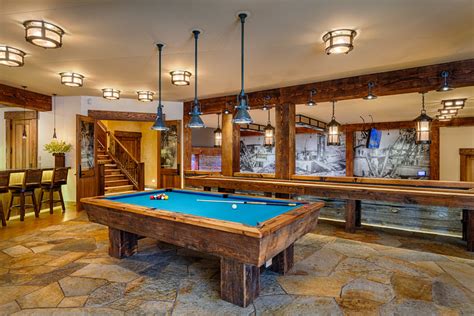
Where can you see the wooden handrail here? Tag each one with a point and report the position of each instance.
(122, 146)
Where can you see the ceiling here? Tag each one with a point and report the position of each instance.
(112, 42)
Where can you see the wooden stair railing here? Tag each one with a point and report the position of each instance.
(130, 167)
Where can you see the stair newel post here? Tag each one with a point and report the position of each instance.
(101, 179)
(141, 176)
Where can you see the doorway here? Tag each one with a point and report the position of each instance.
(131, 141)
(467, 164)
(22, 139)
(169, 164)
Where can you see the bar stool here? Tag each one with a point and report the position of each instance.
(58, 179)
(31, 181)
(4, 180)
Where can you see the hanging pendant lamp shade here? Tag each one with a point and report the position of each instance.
(311, 101)
(370, 95)
(334, 137)
(196, 121)
(445, 85)
(218, 133)
(269, 133)
(159, 124)
(242, 116)
(423, 125)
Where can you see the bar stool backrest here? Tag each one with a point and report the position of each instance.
(33, 177)
(60, 176)
(4, 181)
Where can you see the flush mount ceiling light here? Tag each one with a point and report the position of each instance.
(423, 125)
(269, 133)
(145, 96)
(72, 79)
(370, 95)
(339, 41)
(196, 121)
(159, 124)
(310, 101)
(445, 85)
(456, 104)
(43, 34)
(242, 115)
(111, 94)
(180, 77)
(12, 57)
(218, 133)
(334, 137)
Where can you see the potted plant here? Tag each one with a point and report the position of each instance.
(58, 148)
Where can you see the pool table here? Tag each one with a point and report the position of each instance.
(245, 232)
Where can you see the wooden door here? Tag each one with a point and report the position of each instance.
(467, 164)
(22, 152)
(131, 141)
(87, 179)
(169, 162)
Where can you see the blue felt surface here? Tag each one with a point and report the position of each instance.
(186, 203)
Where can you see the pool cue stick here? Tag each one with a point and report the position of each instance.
(250, 202)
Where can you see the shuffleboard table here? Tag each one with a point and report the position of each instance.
(245, 232)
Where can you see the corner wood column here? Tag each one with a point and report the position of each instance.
(434, 153)
(349, 153)
(284, 261)
(240, 282)
(353, 215)
(121, 243)
(285, 140)
(187, 137)
(230, 159)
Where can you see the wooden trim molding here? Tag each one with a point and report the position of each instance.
(16, 97)
(121, 116)
(20, 115)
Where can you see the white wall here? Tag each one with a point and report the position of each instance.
(451, 139)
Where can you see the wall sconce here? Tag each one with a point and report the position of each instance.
(218, 133)
(339, 41)
(370, 95)
(43, 34)
(180, 77)
(423, 125)
(269, 133)
(145, 96)
(111, 94)
(334, 137)
(445, 86)
(310, 101)
(72, 79)
(12, 57)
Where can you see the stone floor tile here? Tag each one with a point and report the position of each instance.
(367, 290)
(106, 294)
(164, 289)
(412, 288)
(56, 275)
(65, 259)
(69, 312)
(410, 307)
(11, 292)
(30, 260)
(352, 249)
(313, 285)
(360, 268)
(359, 306)
(9, 308)
(111, 273)
(152, 308)
(448, 295)
(17, 251)
(429, 267)
(463, 273)
(73, 301)
(48, 296)
(77, 286)
(294, 305)
(397, 266)
(77, 245)
(321, 263)
(269, 284)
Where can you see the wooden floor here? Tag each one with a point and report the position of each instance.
(17, 228)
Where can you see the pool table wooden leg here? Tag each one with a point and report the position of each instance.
(353, 220)
(283, 261)
(240, 282)
(121, 243)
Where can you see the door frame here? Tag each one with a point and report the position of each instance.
(464, 153)
(21, 116)
(178, 170)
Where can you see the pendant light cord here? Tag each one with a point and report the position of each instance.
(196, 36)
(242, 22)
(160, 48)
(269, 122)
(218, 120)
(333, 106)
(423, 103)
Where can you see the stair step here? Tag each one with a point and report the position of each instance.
(114, 177)
(105, 161)
(115, 183)
(124, 192)
(120, 188)
(102, 157)
(110, 166)
(112, 172)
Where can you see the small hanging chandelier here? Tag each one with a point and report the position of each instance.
(265, 105)
(111, 94)
(454, 104)
(269, 133)
(54, 116)
(159, 124)
(145, 96)
(334, 137)
(226, 109)
(311, 102)
(72, 79)
(445, 85)
(370, 95)
(339, 41)
(196, 121)
(43, 34)
(423, 125)
(180, 77)
(242, 116)
(12, 57)
(218, 133)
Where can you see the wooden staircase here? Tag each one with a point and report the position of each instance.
(115, 180)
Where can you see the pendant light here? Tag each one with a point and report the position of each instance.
(218, 133)
(423, 125)
(370, 95)
(242, 116)
(310, 101)
(265, 101)
(54, 116)
(334, 138)
(196, 121)
(23, 135)
(269, 133)
(445, 86)
(159, 124)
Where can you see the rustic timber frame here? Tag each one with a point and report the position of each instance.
(16, 97)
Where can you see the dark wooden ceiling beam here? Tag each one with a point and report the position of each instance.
(16, 97)
(122, 116)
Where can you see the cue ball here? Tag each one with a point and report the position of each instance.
(234, 206)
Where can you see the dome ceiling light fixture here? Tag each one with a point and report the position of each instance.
(159, 124)
(145, 96)
(370, 95)
(72, 79)
(423, 125)
(445, 85)
(43, 34)
(334, 137)
(242, 115)
(110, 94)
(339, 41)
(196, 120)
(311, 102)
(180, 77)
(12, 57)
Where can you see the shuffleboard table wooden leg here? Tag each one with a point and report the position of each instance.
(121, 243)
(464, 224)
(283, 261)
(206, 188)
(470, 230)
(240, 282)
(353, 215)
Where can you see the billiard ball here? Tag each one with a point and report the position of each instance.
(234, 206)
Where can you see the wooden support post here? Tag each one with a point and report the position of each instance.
(285, 140)
(349, 153)
(121, 243)
(464, 224)
(353, 214)
(187, 137)
(206, 188)
(240, 282)
(230, 159)
(101, 179)
(224, 190)
(470, 230)
(283, 261)
(434, 153)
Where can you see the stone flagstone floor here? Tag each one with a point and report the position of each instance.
(65, 270)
